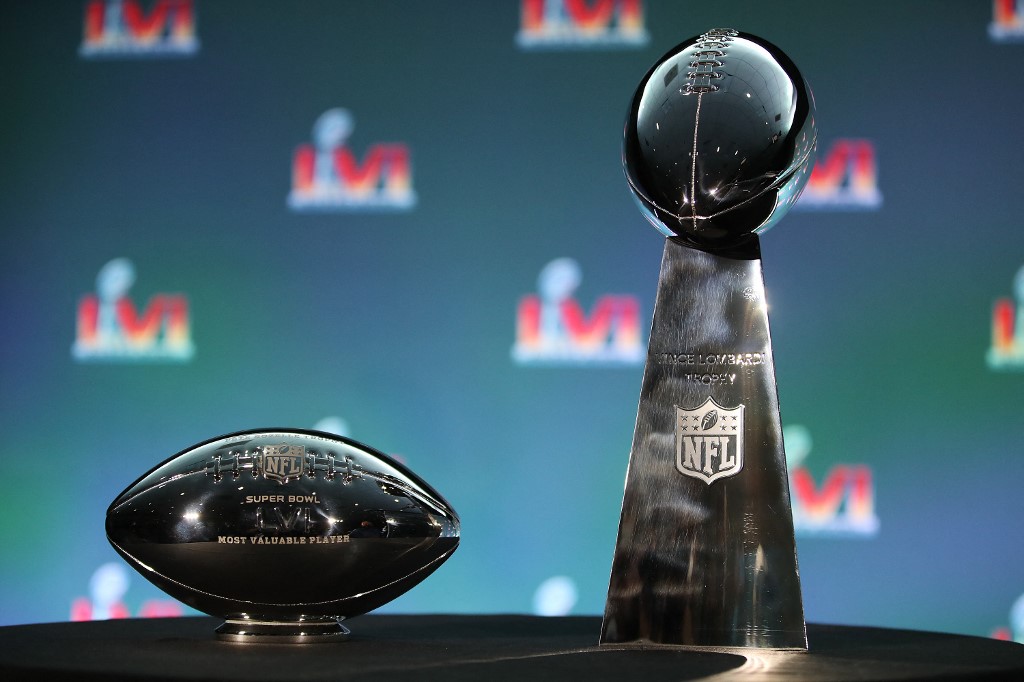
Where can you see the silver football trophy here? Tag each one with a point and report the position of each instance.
(718, 144)
(282, 533)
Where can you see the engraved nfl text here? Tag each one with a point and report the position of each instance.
(709, 441)
(700, 358)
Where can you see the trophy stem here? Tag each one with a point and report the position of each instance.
(706, 555)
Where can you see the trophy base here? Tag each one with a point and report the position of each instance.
(282, 632)
(734, 649)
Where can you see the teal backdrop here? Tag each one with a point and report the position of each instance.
(407, 223)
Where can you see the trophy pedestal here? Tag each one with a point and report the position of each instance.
(282, 632)
(706, 555)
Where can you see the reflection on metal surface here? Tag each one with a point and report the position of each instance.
(719, 138)
(698, 562)
(282, 532)
(717, 147)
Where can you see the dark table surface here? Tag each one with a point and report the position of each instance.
(486, 648)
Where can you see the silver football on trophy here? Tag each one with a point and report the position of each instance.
(719, 138)
(282, 532)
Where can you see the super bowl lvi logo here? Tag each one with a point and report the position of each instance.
(1007, 349)
(126, 29)
(593, 24)
(709, 441)
(329, 175)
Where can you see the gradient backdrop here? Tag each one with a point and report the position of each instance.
(406, 222)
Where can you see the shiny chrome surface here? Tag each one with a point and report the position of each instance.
(718, 144)
(248, 631)
(705, 554)
(282, 532)
(719, 138)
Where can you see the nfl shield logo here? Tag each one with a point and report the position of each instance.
(281, 462)
(709, 441)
